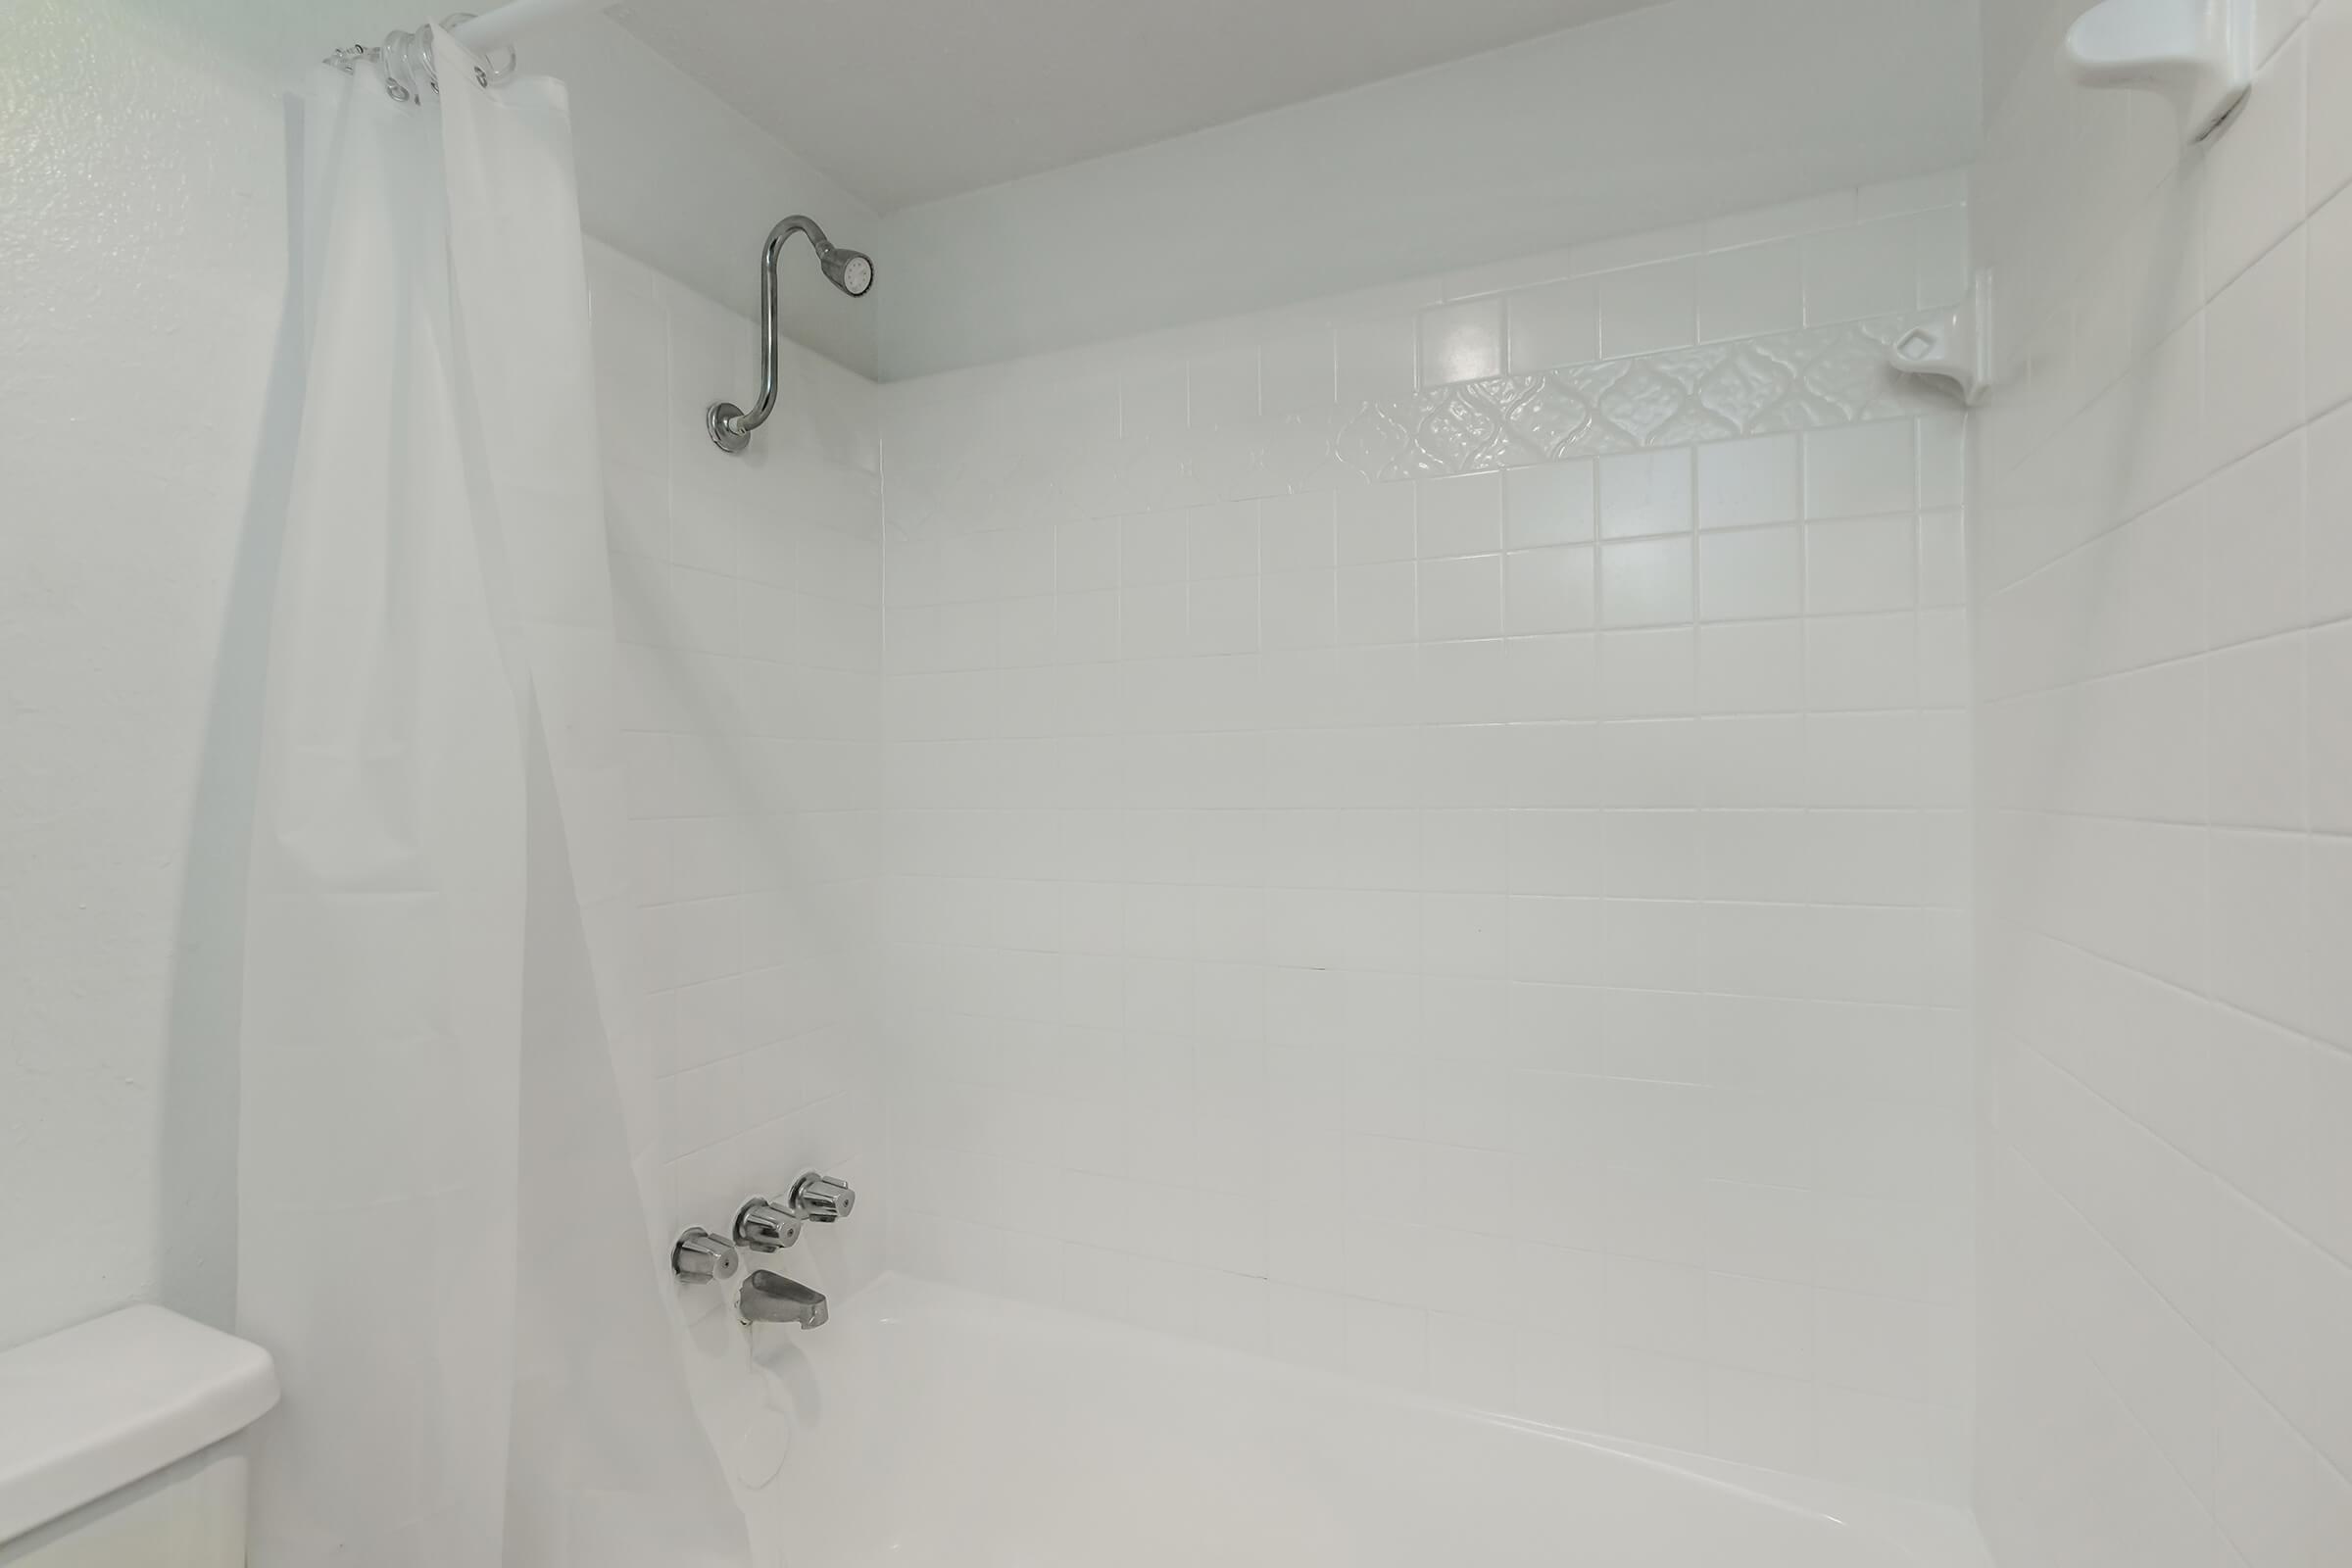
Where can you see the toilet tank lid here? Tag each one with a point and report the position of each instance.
(97, 1406)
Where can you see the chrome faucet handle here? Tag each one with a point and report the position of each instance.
(766, 1226)
(822, 1198)
(699, 1257)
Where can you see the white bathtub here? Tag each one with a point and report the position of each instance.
(928, 1427)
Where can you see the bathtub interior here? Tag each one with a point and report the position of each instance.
(930, 1426)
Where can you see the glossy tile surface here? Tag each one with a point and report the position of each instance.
(1478, 870)
(2165, 1036)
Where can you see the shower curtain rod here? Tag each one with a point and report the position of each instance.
(503, 24)
(408, 57)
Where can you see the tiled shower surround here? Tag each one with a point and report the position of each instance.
(2165, 596)
(748, 599)
(1430, 838)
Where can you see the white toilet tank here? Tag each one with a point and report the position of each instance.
(115, 1447)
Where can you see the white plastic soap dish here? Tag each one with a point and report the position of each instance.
(1956, 346)
(2197, 53)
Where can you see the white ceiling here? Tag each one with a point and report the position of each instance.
(902, 101)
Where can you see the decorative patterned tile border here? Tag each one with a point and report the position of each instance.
(1823, 375)
(1020, 464)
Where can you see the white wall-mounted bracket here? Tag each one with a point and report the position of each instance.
(1956, 346)
(2197, 53)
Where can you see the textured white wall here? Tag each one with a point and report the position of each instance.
(1459, 876)
(142, 194)
(1666, 115)
(2164, 661)
(143, 367)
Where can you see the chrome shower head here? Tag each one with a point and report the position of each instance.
(852, 272)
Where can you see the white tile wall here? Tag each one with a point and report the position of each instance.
(748, 596)
(1396, 872)
(2166, 1352)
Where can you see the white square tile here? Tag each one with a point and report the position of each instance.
(2254, 739)
(1297, 534)
(2253, 178)
(1751, 574)
(1375, 524)
(1859, 271)
(2328, 517)
(1155, 548)
(1463, 933)
(2327, 320)
(1375, 358)
(1751, 667)
(1751, 481)
(1941, 258)
(1154, 398)
(1859, 564)
(1461, 598)
(1657, 1399)
(1861, 662)
(1299, 609)
(1221, 541)
(1943, 558)
(1548, 504)
(1751, 291)
(1550, 677)
(1086, 557)
(1222, 388)
(2254, 545)
(1645, 493)
(1461, 342)
(1459, 516)
(1298, 372)
(2329, 120)
(1644, 310)
(1645, 582)
(1859, 468)
(2254, 349)
(1549, 590)
(1558, 325)
(1760, 1419)
(1649, 674)
(2328, 726)
(1760, 1325)
(1464, 851)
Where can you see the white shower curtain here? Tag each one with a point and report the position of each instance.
(446, 1233)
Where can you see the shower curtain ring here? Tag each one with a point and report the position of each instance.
(496, 68)
(407, 62)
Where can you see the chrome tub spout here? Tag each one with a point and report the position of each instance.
(768, 1298)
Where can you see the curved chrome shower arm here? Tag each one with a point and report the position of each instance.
(769, 349)
(731, 427)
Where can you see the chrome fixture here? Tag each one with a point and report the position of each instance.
(764, 1225)
(822, 1198)
(701, 1258)
(773, 1299)
(851, 272)
(408, 57)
